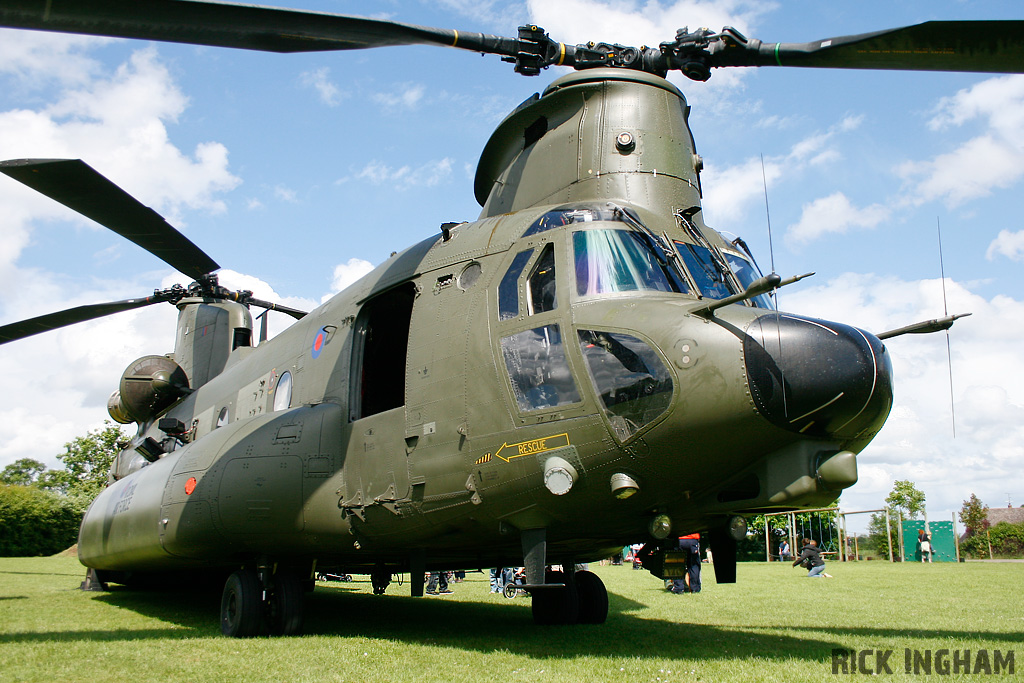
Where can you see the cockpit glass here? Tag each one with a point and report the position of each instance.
(539, 371)
(567, 216)
(708, 275)
(746, 272)
(634, 385)
(609, 261)
(508, 288)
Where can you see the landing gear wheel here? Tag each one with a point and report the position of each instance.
(556, 606)
(285, 605)
(593, 598)
(380, 579)
(241, 605)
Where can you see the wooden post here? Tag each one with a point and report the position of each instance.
(767, 542)
(989, 536)
(888, 534)
(899, 535)
(956, 538)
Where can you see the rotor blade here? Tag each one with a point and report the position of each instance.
(293, 312)
(983, 46)
(78, 186)
(249, 27)
(70, 316)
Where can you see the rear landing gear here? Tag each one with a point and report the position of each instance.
(255, 603)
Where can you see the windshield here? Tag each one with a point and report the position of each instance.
(706, 273)
(609, 261)
(746, 272)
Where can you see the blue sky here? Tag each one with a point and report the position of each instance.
(295, 172)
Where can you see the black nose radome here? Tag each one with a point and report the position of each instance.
(817, 377)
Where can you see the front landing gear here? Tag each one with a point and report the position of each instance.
(259, 602)
(560, 597)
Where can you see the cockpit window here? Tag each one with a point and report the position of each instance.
(746, 272)
(708, 274)
(508, 288)
(609, 261)
(541, 290)
(536, 364)
(634, 385)
(566, 216)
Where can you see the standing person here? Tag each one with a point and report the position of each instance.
(438, 579)
(691, 584)
(810, 558)
(784, 551)
(925, 543)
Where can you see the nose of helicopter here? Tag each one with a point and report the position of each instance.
(816, 377)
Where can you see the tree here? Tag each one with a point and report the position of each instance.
(880, 535)
(906, 498)
(24, 472)
(974, 515)
(86, 462)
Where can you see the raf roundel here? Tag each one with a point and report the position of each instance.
(319, 341)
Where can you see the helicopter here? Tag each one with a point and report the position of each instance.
(528, 388)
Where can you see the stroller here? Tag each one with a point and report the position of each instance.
(513, 579)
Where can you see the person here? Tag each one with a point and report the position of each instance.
(691, 584)
(810, 557)
(784, 551)
(925, 543)
(438, 579)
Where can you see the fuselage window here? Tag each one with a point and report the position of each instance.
(508, 288)
(541, 289)
(708, 274)
(283, 392)
(634, 385)
(609, 261)
(536, 364)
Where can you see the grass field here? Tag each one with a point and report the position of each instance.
(773, 625)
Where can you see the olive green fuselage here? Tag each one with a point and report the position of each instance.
(431, 405)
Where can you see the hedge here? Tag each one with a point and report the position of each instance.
(36, 522)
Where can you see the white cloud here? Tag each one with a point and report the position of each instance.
(406, 96)
(833, 214)
(320, 81)
(430, 174)
(992, 159)
(35, 57)
(1008, 244)
(347, 273)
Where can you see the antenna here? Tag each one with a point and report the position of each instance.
(775, 291)
(945, 312)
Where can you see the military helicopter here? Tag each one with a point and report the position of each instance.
(585, 365)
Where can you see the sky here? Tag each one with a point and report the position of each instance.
(298, 173)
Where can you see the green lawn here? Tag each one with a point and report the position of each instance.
(773, 625)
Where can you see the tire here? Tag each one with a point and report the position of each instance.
(241, 605)
(285, 605)
(556, 606)
(593, 598)
(510, 590)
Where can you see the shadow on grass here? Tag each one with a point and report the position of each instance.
(483, 627)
